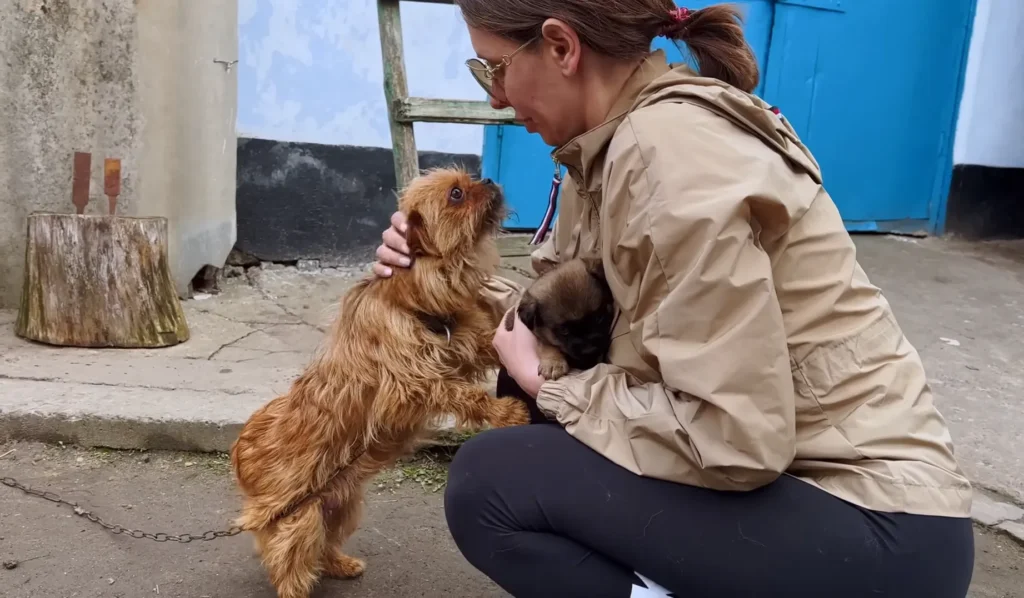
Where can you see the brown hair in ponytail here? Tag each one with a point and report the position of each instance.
(624, 29)
(715, 38)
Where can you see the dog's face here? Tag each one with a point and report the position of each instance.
(571, 308)
(448, 212)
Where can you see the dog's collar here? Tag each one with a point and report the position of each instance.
(438, 324)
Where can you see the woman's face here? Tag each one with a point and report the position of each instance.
(538, 81)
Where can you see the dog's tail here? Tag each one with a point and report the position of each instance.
(259, 514)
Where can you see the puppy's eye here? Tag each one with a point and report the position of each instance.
(455, 195)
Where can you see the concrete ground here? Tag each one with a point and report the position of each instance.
(247, 344)
(959, 303)
(404, 537)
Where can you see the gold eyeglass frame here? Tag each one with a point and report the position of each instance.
(485, 74)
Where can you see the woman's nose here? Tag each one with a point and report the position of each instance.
(498, 100)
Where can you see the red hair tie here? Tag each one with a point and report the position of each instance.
(679, 16)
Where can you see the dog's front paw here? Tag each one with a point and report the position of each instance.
(553, 367)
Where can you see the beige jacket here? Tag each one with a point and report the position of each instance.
(749, 342)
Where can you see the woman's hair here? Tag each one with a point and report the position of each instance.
(625, 28)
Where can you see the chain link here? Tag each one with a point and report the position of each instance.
(521, 271)
(118, 529)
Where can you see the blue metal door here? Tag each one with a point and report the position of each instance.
(872, 87)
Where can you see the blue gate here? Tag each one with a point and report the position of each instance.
(871, 86)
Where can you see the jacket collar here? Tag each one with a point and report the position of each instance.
(584, 154)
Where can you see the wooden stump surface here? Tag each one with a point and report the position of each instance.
(99, 281)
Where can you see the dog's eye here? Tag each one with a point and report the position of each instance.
(455, 195)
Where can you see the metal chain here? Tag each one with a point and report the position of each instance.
(521, 271)
(117, 529)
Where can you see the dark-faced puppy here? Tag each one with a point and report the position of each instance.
(570, 310)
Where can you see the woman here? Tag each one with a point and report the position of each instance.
(762, 426)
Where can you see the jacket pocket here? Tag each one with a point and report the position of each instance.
(836, 380)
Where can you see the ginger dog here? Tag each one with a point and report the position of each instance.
(403, 351)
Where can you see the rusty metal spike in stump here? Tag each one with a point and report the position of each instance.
(82, 171)
(112, 182)
(99, 281)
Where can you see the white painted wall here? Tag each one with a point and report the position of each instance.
(990, 127)
(310, 71)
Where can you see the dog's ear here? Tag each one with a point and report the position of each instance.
(529, 313)
(418, 237)
(594, 266)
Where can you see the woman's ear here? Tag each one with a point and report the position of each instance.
(563, 44)
(418, 237)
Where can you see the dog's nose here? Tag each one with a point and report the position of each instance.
(488, 182)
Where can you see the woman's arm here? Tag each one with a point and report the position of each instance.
(683, 258)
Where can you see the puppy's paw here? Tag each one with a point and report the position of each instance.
(510, 412)
(553, 367)
(342, 566)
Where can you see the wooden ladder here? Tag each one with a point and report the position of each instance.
(403, 110)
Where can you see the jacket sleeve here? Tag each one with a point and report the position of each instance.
(499, 295)
(685, 264)
(545, 257)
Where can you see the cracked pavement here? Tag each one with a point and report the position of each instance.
(248, 342)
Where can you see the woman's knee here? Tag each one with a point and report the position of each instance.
(490, 465)
(469, 483)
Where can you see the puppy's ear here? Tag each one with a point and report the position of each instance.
(529, 312)
(594, 266)
(510, 319)
(418, 237)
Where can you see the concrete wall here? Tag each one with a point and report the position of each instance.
(189, 103)
(131, 79)
(315, 170)
(310, 72)
(990, 128)
(69, 72)
(986, 197)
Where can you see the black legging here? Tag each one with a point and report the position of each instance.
(543, 515)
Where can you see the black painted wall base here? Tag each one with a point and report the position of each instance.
(319, 202)
(986, 203)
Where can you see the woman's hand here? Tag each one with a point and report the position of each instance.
(517, 350)
(393, 252)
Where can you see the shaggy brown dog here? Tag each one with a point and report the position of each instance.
(403, 351)
(570, 310)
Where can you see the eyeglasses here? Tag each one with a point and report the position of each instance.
(486, 75)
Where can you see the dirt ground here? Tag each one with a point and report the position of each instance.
(403, 537)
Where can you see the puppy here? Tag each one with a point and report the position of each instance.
(403, 351)
(570, 309)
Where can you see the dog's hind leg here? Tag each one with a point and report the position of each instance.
(291, 550)
(343, 512)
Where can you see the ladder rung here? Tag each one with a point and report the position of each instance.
(451, 111)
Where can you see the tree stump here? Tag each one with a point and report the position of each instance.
(99, 281)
